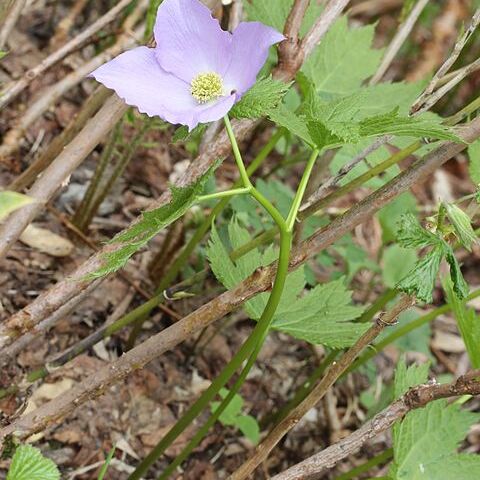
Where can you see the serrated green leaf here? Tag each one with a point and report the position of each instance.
(425, 443)
(275, 13)
(296, 125)
(10, 201)
(474, 164)
(397, 263)
(28, 463)
(468, 324)
(462, 224)
(411, 234)
(343, 60)
(420, 282)
(393, 124)
(261, 99)
(323, 315)
(408, 377)
(149, 225)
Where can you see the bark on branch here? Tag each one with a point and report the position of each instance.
(416, 397)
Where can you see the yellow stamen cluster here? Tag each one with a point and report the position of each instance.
(206, 87)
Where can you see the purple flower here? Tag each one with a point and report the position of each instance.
(197, 71)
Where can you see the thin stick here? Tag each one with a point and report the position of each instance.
(416, 397)
(90, 107)
(60, 169)
(13, 15)
(14, 89)
(460, 44)
(258, 282)
(398, 40)
(12, 139)
(330, 377)
(66, 23)
(432, 99)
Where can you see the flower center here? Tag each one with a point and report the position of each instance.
(206, 87)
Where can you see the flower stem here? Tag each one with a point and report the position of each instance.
(236, 153)
(224, 194)
(297, 201)
(259, 334)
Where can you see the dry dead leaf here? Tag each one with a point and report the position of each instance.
(46, 241)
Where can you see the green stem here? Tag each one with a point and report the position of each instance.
(236, 153)
(252, 345)
(297, 201)
(224, 194)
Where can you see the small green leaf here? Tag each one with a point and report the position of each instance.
(411, 234)
(462, 224)
(10, 201)
(149, 225)
(28, 463)
(460, 286)
(421, 280)
(474, 165)
(296, 125)
(418, 127)
(261, 99)
(408, 377)
(232, 416)
(248, 425)
(468, 324)
(182, 134)
(3, 54)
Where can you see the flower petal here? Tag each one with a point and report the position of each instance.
(189, 40)
(137, 77)
(251, 42)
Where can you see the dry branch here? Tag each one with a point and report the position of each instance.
(416, 397)
(447, 65)
(259, 282)
(89, 108)
(398, 40)
(13, 90)
(12, 138)
(14, 12)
